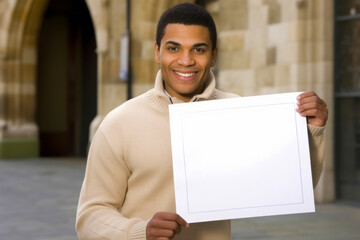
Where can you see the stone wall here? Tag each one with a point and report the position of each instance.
(276, 46)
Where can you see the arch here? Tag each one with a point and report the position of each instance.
(20, 25)
(66, 78)
(20, 61)
(18, 132)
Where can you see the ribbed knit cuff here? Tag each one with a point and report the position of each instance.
(138, 231)
(316, 131)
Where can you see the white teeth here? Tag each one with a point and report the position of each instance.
(185, 74)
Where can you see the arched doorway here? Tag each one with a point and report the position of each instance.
(66, 79)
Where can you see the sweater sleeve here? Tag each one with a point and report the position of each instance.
(102, 195)
(317, 145)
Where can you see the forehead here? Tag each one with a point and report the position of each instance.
(186, 34)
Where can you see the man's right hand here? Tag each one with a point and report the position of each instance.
(164, 226)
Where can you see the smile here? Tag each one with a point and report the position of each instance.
(185, 74)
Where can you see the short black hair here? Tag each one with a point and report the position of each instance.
(187, 14)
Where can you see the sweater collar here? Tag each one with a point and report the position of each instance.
(205, 95)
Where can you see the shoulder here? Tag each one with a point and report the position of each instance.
(223, 95)
(124, 113)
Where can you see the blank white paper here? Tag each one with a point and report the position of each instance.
(240, 157)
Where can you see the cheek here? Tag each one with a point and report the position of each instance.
(165, 62)
(206, 61)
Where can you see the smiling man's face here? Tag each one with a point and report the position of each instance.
(185, 57)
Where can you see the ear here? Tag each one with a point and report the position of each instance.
(157, 53)
(213, 57)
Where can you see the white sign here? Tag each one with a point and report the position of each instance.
(240, 157)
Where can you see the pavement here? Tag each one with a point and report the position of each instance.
(38, 200)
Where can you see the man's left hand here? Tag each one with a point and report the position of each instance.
(313, 108)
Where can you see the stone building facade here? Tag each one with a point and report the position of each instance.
(265, 46)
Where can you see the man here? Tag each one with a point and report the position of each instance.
(128, 190)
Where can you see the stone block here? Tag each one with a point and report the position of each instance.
(301, 76)
(291, 52)
(281, 75)
(258, 57)
(213, 7)
(323, 51)
(28, 76)
(277, 34)
(142, 11)
(264, 77)
(228, 4)
(241, 60)
(258, 17)
(114, 69)
(143, 71)
(298, 31)
(257, 38)
(322, 73)
(289, 11)
(117, 17)
(241, 82)
(148, 49)
(102, 38)
(274, 11)
(234, 60)
(136, 48)
(224, 60)
(145, 30)
(271, 56)
(29, 55)
(322, 30)
(114, 94)
(231, 41)
(231, 8)
(114, 48)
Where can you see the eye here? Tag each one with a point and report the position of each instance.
(173, 48)
(199, 50)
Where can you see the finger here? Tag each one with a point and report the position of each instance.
(165, 233)
(312, 99)
(174, 217)
(163, 224)
(306, 94)
(159, 233)
(315, 113)
(182, 222)
(310, 106)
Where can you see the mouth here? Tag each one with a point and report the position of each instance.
(186, 75)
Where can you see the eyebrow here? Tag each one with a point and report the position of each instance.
(195, 45)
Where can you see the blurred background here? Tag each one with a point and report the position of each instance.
(64, 64)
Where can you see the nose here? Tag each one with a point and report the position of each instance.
(186, 59)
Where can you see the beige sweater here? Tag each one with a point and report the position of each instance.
(129, 173)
